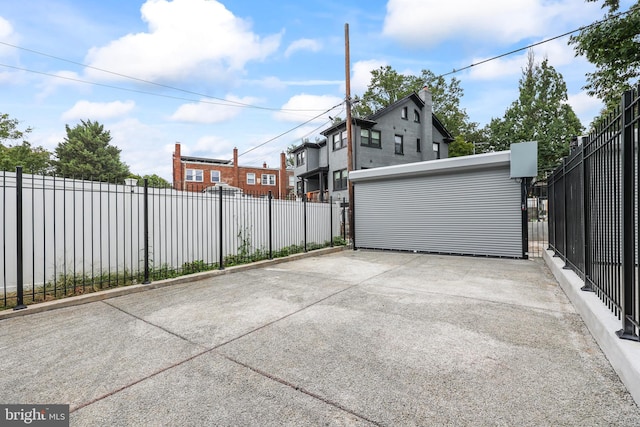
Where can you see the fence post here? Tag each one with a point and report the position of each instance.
(220, 226)
(19, 263)
(628, 213)
(344, 221)
(304, 208)
(352, 219)
(565, 221)
(146, 232)
(331, 221)
(586, 212)
(524, 190)
(270, 198)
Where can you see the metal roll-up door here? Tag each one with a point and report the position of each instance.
(471, 212)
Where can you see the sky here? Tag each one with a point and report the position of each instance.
(258, 75)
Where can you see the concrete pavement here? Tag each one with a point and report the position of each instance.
(350, 338)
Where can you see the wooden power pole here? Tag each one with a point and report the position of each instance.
(350, 165)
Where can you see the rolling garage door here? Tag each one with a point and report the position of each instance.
(465, 206)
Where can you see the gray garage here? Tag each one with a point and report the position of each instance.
(467, 205)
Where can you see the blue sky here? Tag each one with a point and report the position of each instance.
(214, 75)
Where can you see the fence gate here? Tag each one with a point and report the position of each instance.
(466, 205)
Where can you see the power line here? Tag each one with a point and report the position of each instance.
(540, 42)
(289, 131)
(226, 102)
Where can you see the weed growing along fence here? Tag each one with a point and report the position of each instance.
(64, 237)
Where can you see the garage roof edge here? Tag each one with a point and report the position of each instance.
(479, 161)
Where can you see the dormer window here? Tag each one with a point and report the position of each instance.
(404, 113)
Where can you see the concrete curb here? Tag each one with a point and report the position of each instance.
(623, 355)
(126, 290)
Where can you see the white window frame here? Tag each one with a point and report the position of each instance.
(268, 179)
(194, 175)
(251, 178)
(219, 177)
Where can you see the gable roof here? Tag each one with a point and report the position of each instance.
(370, 121)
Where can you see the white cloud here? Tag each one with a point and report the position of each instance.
(62, 79)
(8, 35)
(428, 22)
(212, 146)
(211, 111)
(586, 107)
(558, 52)
(144, 147)
(184, 38)
(305, 106)
(303, 44)
(98, 110)
(361, 75)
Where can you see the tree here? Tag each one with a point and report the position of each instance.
(388, 86)
(459, 147)
(154, 181)
(613, 46)
(86, 153)
(15, 151)
(541, 114)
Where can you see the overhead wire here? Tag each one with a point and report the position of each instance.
(632, 9)
(227, 102)
(231, 103)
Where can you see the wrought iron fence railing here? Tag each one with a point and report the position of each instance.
(593, 212)
(64, 236)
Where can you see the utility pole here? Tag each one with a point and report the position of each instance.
(350, 165)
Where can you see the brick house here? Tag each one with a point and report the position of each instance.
(199, 174)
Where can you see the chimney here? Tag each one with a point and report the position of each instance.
(427, 125)
(284, 181)
(264, 165)
(236, 169)
(177, 168)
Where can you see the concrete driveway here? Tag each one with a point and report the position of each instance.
(350, 338)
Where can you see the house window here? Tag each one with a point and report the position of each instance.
(418, 145)
(399, 144)
(268, 179)
(195, 175)
(416, 116)
(340, 140)
(370, 138)
(403, 114)
(436, 149)
(300, 187)
(292, 180)
(300, 158)
(340, 179)
(215, 176)
(251, 178)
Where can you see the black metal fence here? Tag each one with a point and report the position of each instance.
(64, 237)
(593, 213)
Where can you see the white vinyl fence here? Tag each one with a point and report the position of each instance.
(87, 229)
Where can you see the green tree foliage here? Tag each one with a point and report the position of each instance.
(154, 181)
(15, 151)
(613, 46)
(86, 153)
(388, 86)
(460, 147)
(540, 113)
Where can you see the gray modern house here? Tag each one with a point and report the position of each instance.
(406, 131)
